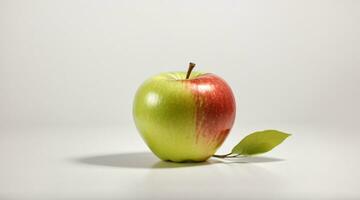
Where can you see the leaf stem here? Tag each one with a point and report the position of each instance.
(222, 156)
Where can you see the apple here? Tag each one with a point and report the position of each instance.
(184, 116)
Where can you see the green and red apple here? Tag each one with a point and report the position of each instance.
(184, 116)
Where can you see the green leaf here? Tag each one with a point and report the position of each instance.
(259, 142)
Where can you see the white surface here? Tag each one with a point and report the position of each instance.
(113, 163)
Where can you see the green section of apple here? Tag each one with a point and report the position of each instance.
(164, 113)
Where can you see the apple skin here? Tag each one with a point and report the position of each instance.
(182, 119)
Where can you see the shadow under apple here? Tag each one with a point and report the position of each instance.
(147, 160)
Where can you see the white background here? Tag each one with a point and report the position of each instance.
(69, 71)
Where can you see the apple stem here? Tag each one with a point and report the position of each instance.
(224, 156)
(191, 67)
